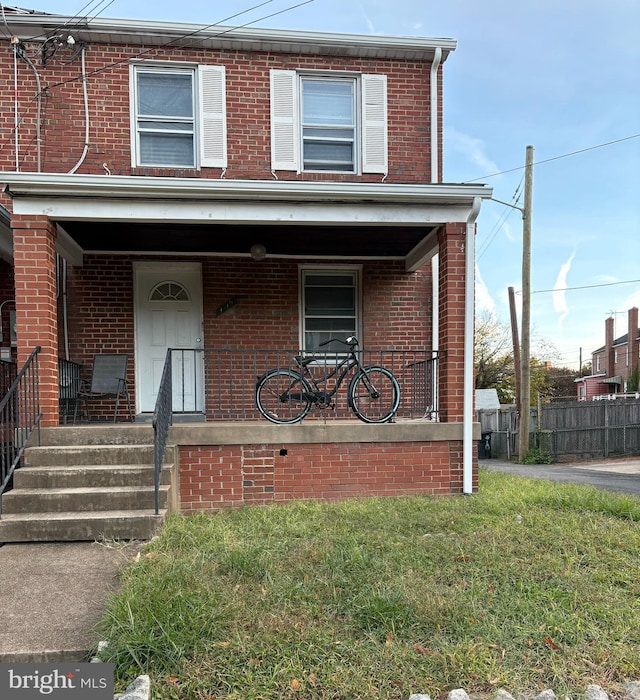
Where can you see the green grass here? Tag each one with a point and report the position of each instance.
(526, 585)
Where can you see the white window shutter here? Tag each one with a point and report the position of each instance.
(213, 117)
(374, 124)
(284, 120)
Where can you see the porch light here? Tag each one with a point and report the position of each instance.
(258, 252)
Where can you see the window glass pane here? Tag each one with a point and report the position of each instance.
(166, 149)
(329, 308)
(328, 102)
(333, 155)
(329, 280)
(330, 302)
(166, 126)
(165, 94)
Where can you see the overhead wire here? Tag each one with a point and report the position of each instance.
(515, 199)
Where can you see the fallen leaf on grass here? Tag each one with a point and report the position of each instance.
(550, 643)
(422, 650)
(389, 638)
(295, 684)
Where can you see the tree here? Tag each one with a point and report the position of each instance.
(494, 357)
(494, 366)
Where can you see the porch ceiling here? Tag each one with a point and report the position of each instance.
(236, 239)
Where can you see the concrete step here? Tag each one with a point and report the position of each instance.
(53, 456)
(80, 527)
(30, 477)
(98, 434)
(82, 500)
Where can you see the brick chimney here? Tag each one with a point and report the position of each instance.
(609, 356)
(634, 345)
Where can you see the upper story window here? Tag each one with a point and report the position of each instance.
(328, 124)
(324, 122)
(178, 115)
(598, 363)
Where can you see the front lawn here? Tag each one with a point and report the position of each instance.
(527, 585)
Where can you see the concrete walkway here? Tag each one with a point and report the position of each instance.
(621, 475)
(53, 594)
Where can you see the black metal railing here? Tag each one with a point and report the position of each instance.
(162, 419)
(221, 384)
(20, 415)
(69, 387)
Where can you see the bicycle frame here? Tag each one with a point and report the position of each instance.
(300, 388)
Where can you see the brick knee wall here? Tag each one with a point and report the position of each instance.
(213, 477)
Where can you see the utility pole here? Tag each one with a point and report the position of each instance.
(525, 349)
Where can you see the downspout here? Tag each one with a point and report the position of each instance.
(469, 316)
(433, 108)
(435, 167)
(16, 117)
(85, 150)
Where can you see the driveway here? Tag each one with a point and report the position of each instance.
(621, 475)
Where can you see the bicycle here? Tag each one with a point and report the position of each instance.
(286, 395)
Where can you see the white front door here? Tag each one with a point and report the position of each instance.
(168, 314)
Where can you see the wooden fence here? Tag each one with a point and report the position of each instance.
(577, 429)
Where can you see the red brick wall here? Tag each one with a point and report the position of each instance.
(247, 84)
(396, 305)
(213, 477)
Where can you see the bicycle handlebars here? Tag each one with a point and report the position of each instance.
(352, 341)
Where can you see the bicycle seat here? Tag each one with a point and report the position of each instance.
(303, 361)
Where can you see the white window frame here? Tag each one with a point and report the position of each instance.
(371, 131)
(209, 112)
(356, 271)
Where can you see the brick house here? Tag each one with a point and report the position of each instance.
(614, 362)
(222, 193)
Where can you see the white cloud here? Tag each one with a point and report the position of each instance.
(559, 295)
(484, 300)
(367, 19)
(473, 148)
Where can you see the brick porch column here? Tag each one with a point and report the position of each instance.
(34, 258)
(451, 242)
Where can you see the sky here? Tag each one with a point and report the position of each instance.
(560, 75)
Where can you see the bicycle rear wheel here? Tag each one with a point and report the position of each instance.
(282, 396)
(374, 395)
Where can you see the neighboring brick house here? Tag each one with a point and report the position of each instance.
(233, 191)
(614, 362)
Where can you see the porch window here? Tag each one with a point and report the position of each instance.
(328, 122)
(330, 306)
(178, 117)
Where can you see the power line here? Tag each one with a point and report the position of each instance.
(501, 221)
(584, 286)
(548, 160)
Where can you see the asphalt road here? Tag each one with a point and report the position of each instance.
(621, 475)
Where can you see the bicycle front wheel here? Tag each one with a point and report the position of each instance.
(374, 395)
(283, 396)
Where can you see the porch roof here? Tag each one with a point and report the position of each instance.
(155, 215)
